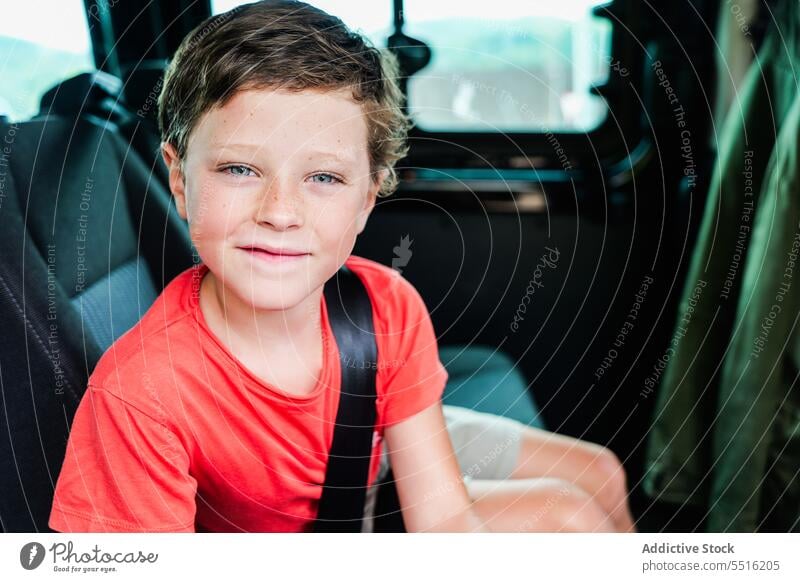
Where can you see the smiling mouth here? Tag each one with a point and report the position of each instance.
(274, 255)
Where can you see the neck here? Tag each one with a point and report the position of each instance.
(236, 321)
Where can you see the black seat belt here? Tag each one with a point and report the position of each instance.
(341, 506)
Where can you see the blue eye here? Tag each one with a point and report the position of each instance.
(325, 179)
(238, 171)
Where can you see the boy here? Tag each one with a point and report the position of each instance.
(215, 413)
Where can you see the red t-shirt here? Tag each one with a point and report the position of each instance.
(175, 434)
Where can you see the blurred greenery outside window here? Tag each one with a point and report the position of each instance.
(42, 42)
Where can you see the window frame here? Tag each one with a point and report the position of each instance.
(610, 140)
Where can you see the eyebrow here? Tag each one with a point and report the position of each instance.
(343, 155)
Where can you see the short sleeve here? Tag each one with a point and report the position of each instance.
(410, 375)
(124, 471)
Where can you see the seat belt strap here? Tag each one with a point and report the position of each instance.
(341, 506)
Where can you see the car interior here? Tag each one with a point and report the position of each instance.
(565, 187)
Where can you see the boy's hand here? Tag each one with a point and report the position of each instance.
(429, 483)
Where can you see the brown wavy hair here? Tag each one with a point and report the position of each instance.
(288, 45)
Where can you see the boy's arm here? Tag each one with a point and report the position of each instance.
(124, 471)
(428, 479)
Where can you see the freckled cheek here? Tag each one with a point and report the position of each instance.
(331, 222)
(199, 202)
(212, 217)
(340, 239)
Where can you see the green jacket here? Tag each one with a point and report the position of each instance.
(726, 431)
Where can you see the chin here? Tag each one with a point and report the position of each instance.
(272, 295)
(266, 304)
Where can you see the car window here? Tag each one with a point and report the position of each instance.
(510, 65)
(505, 65)
(42, 42)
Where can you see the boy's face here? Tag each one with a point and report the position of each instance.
(276, 186)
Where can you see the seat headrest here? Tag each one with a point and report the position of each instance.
(96, 93)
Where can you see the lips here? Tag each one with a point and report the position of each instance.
(271, 253)
(274, 250)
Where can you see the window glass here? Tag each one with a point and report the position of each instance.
(511, 65)
(42, 42)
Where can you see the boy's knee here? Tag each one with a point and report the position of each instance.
(608, 469)
(564, 507)
(578, 512)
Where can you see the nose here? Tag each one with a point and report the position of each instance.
(280, 207)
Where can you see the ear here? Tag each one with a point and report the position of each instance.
(177, 184)
(369, 203)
